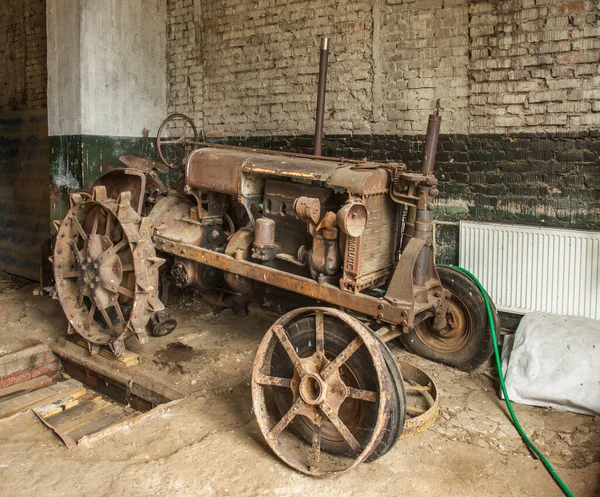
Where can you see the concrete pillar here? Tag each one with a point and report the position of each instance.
(106, 87)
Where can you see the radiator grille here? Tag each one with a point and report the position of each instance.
(380, 235)
(526, 268)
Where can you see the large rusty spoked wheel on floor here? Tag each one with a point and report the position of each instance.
(323, 392)
(106, 270)
(466, 341)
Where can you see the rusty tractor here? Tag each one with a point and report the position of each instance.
(341, 249)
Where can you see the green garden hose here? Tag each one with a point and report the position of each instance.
(525, 438)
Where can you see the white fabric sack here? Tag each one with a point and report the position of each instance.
(554, 361)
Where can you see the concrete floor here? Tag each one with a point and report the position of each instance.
(209, 444)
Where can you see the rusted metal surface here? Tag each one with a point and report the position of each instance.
(183, 141)
(352, 219)
(247, 225)
(422, 397)
(264, 239)
(318, 392)
(222, 170)
(373, 253)
(124, 180)
(143, 165)
(379, 308)
(431, 141)
(308, 209)
(106, 272)
(323, 57)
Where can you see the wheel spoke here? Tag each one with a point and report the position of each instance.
(107, 319)
(108, 225)
(120, 245)
(91, 315)
(341, 427)
(67, 274)
(119, 313)
(315, 454)
(273, 381)
(366, 395)
(289, 348)
(287, 418)
(344, 355)
(169, 142)
(320, 333)
(76, 250)
(95, 224)
(126, 292)
(82, 233)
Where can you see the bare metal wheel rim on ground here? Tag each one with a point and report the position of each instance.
(319, 391)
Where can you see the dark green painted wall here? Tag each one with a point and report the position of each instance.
(24, 180)
(536, 179)
(77, 160)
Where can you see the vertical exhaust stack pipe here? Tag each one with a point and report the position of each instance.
(318, 143)
(431, 144)
(431, 141)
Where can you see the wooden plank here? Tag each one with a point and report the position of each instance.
(81, 418)
(91, 417)
(56, 407)
(72, 399)
(147, 387)
(79, 422)
(38, 397)
(97, 425)
(87, 403)
(25, 386)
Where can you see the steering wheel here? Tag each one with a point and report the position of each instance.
(183, 140)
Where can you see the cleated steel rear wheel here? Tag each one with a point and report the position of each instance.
(106, 270)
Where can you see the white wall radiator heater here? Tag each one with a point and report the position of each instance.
(525, 268)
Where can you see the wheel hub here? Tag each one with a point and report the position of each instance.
(453, 336)
(313, 389)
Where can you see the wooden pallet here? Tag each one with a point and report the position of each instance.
(44, 396)
(68, 408)
(91, 414)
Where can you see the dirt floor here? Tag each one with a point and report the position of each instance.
(209, 444)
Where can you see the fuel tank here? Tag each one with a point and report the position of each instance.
(237, 172)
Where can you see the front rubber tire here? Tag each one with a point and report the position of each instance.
(471, 347)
